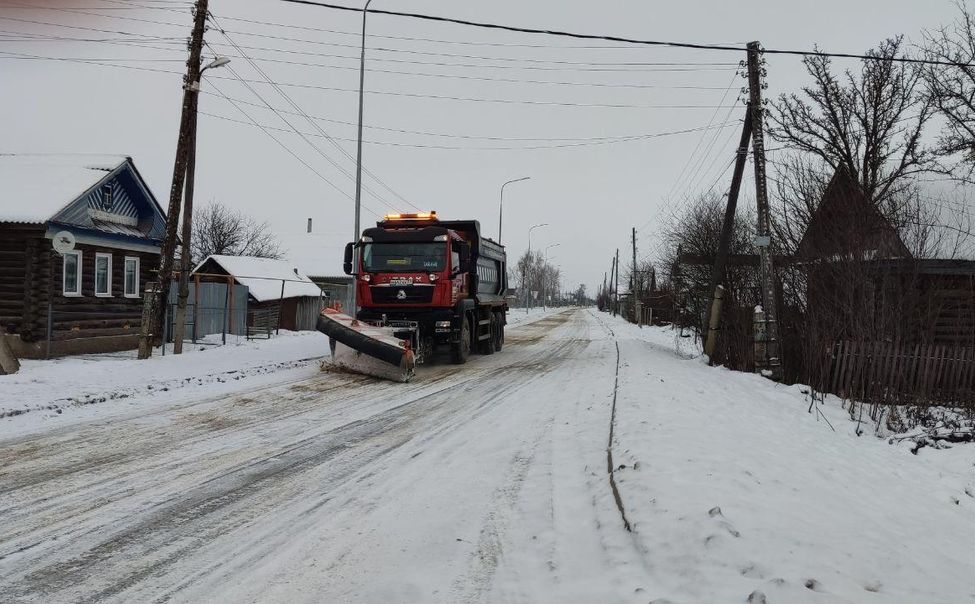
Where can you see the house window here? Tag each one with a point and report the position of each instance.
(71, 274)
(103, 274)
(107, 201)
(131, 277)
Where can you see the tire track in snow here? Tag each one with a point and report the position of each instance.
(610, 465)
(174, 530)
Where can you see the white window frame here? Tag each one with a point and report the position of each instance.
(105, 294)
(138, 268)
(64, 274)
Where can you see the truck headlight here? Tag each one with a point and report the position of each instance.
(433, 277)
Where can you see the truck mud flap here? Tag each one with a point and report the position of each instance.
(365, 349)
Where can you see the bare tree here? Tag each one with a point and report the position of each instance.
(869, 123)
(952, 88)
(218, 229)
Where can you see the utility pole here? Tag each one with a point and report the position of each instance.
(712, 320)
(358, 167)
(609, 292)
(602, 292)
(616, 289)
(767, 343)
(183, 292)
(633, 285)
(153, 325)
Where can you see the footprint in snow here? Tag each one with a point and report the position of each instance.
(715, 512)
(756, 597)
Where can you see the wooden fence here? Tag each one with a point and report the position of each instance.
(891, 373)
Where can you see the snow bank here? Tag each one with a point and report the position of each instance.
(44, 389)
(734, 489)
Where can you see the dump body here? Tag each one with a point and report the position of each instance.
(441, 281)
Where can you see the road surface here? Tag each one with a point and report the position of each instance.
(482, 483)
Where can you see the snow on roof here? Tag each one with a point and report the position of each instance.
(263, 277)
(33, 188)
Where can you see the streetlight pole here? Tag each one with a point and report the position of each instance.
(524, 283)
(179, 321)
(501, 205)
(358, 164)
(545, 268)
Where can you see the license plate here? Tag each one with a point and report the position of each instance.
(401, 281)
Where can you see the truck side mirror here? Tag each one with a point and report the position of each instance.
(347, 261)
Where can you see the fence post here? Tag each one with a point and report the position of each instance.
(196, 307)
(226, 302)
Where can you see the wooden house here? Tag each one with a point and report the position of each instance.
(274, 286)
(89, 298)
(860, 275)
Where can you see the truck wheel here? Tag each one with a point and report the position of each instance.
(489, 345)
(498, 331)
(461, 350)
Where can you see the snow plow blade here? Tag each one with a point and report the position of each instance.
(366, 349)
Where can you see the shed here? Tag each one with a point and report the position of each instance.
(336, 289)
(88, 299)
(272, 285)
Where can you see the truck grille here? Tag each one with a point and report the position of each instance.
(410, 295)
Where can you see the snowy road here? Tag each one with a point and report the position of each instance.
(486, 484)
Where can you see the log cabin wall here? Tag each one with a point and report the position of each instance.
(21, 277)
(88, 315)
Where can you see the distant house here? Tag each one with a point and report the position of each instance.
(273, 285)
(89, 298)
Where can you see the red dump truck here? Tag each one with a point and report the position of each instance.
(437, 283)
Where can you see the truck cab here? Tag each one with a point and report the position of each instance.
(440, 281)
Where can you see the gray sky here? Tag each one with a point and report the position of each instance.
(589, 194)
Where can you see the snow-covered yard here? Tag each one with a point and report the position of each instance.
(734, 489)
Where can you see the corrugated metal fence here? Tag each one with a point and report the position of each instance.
(214, 311)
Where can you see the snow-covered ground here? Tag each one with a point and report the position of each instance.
(733, 488)
(45, 394)
(482, 484)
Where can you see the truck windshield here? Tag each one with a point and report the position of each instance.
(404, 257)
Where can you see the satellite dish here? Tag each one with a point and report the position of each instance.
(63, 242)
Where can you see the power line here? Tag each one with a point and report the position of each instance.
(609, 38)
(634, 138)
(288, 149)
(312, 122)
(472, 137)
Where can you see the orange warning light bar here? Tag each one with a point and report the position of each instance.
(432, 215)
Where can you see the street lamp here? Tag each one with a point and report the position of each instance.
(183, 289)
(501, 205)
(524, 274)
(358, 161)
(545, 267)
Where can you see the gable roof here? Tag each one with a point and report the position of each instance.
(67, 190)
(263, 276)
(847, 221)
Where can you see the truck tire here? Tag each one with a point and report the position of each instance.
(498, 331)
(489, 345)
(462, 349)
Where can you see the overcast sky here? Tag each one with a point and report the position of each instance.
(589, 182)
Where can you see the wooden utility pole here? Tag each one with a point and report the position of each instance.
(724, 244)
(612, 300)
(179, 322)
(633, 284)
(616, 288)
(768, 361)
(153, 326)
